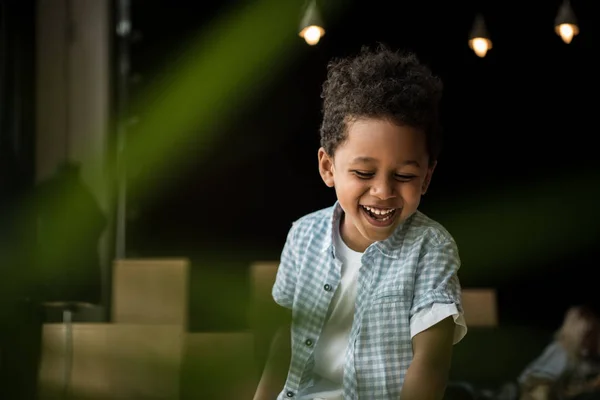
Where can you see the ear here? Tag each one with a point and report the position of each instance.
(326, 167)
(427, 179)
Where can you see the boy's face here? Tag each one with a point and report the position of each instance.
(379, 174)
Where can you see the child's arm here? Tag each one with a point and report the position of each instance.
(277, 366)
(427, 375)
(280, 353)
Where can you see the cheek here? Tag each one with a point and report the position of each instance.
(411, 191)
(352, 187)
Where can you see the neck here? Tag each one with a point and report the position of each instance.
(352, 237)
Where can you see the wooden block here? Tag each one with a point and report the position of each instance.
(263, 313)
(150, 291)
(219, 366)
(480, 307)
(262, 279)
(110, 361)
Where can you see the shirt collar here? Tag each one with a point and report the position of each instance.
(334, 218)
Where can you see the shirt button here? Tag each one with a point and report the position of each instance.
(290, 394)
(308, 342)
(327, 287)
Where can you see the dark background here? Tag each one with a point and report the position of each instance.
(524, 114)
(519, 123)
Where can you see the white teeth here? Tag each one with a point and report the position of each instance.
(378, 211)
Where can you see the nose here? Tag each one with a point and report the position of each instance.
(383, 189)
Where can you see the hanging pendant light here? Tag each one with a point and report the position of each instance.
(311, 25)
(565, 24)
(479, 39)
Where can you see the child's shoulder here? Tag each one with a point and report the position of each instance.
(431, 230)
(316, 220)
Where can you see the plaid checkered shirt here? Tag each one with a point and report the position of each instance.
(411, 270)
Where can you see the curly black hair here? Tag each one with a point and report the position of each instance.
(381, 83)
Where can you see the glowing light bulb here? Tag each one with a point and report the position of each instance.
(567, 32)
(312, 34)
(479, 39)
(480, 46)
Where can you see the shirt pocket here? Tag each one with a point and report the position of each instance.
(387, 318)
(394, 295)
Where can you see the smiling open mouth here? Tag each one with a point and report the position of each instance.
(379, 216)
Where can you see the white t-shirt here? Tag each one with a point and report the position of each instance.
(330, 349)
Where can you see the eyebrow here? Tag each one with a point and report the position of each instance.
(371, 160)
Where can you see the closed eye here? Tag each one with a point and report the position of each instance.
(404, 178)
(363, 174)
(368, 175)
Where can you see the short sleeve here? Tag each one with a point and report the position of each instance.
(437, 279)
(285, 282)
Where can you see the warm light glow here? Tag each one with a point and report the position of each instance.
(567, 31)
(480, 46)
(312, 34)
